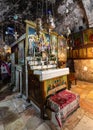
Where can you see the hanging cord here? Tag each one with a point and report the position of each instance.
(53, 9)
(42, 7)
(37, 9)
(46, 8)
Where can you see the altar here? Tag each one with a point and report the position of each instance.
(41, 62)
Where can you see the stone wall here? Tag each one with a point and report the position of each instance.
(84, 69)
(88, 5)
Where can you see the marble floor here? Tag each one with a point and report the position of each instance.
(17, 114)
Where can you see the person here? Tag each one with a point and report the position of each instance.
(5, 72)
(0, 69)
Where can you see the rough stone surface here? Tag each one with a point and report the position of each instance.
(82, 73)
(29, 119)
(66, 13)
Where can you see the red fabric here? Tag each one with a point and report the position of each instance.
(7, 68)
(63, 98)
(59, 121)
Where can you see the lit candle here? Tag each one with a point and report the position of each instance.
(34, 52)
(47, 58)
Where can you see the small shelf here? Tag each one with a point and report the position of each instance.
(41, 67)
(48, 74)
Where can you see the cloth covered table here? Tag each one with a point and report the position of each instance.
(63, 103)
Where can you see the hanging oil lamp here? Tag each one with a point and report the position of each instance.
(39, 25)
(50, 20)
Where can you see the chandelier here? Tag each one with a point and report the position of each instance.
(45, 21)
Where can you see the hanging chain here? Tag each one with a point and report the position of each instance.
(37, 9)
(53, 9)
(42, 7)
(46, 8)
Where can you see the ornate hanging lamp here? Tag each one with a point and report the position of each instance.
(51, 24)
(47, 20)
(39, 27)
(50, 19)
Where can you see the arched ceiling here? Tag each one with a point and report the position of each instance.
(72, 15)
(75, 14)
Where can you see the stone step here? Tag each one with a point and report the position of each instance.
(33, 123)
(43, 126)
